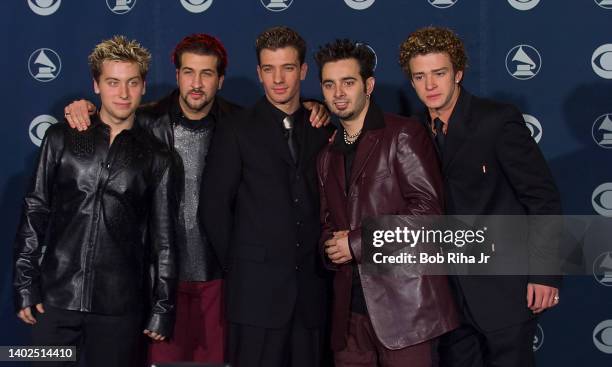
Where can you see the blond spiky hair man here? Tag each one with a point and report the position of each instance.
(100, 202)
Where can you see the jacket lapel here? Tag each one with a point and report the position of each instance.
(364, 151)
(459, 128)
(274, 134)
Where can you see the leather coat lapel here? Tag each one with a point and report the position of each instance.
(364, 151)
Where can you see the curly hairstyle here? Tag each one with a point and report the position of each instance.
(280, 37)
(201, 44)
(119, 48)
(433, 40)
(342, 49)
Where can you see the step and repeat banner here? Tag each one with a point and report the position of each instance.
(552, 58)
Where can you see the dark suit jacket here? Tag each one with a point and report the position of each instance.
(515, 180)
(394, 173)
(260, 213)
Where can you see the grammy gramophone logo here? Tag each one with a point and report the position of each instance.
(602, 269)
(523, 62)
(602, 131)
(44, 65)
(276, 5)
(120, 7)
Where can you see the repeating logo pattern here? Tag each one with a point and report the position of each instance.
(606, 4)
(44, 7)
(523, 62)
(359, 4)
(602, 199)
(39, 126)
(442, 4)
(601, 61)
(538, 338)
(523, 4)
(602, 131)
(372, 50)
(602, 336)
(120, 7)
(534, 127)
(44, 65)
(196, 6)
(276, 5)
(602, 269)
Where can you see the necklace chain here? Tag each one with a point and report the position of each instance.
(351, 139)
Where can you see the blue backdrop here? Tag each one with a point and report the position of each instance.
(551, 58)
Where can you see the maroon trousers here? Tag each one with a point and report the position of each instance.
(200, 328)
(363, 349)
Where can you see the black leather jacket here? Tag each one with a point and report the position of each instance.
(94, 220)
(160, 119)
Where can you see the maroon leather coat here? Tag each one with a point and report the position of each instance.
(395, 171)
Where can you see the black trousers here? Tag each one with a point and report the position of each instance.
(293, 345)
(101, 340)
(468, 346)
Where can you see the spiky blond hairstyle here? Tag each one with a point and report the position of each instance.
(433, 40)
(119, 48)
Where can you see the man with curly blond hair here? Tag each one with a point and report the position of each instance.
(97, 219)
(491, 166)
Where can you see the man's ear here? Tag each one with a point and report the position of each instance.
(221, 79)
(370, 85)
(96, 87)
(303, 71)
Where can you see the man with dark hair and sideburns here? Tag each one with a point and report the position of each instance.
(261, 213)
(377, 164)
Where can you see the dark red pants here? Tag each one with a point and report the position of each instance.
(363, 349)
(200, 329)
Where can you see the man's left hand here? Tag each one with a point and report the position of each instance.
(339, 252)
(155, 336)
(319, 116)
(540, 297)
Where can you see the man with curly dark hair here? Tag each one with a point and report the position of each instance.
(491, 166)
(369, 329)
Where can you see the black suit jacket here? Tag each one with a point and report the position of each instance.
(260, 211)
(492, 166)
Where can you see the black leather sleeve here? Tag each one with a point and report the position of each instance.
(162, 237)
(34, 221)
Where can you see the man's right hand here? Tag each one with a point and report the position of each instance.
(26, 314)
(77, 114)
